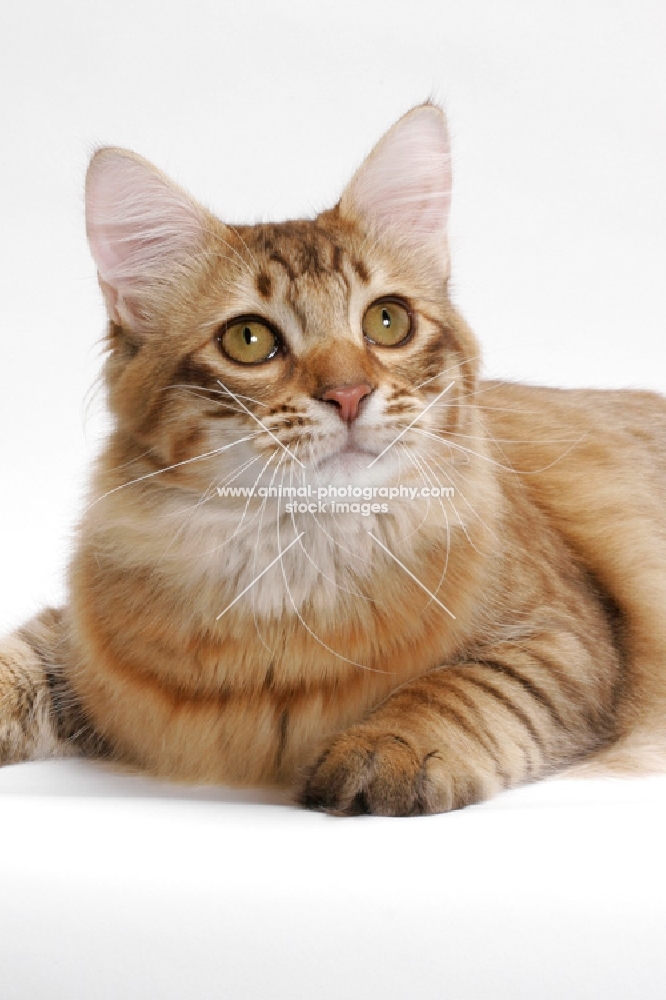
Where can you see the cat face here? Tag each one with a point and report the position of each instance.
(321, 348)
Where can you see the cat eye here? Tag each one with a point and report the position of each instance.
(248, 341)
(387, 322)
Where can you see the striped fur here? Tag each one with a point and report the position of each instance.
(403, 662)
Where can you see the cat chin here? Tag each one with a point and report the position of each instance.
(343, 465)
(356, 467)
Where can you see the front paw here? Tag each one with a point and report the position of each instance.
(26, 728)
(385, 773)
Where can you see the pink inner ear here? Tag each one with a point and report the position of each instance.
(405, 183)
(140, 226)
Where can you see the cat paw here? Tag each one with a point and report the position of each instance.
(380, 773)
(26, 731)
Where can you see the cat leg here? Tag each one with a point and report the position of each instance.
(39, 717)
(463, 732)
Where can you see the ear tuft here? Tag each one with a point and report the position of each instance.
(142, 230)
(404, 185)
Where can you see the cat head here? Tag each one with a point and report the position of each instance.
(316, 342)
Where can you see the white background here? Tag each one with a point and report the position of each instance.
(263, 110)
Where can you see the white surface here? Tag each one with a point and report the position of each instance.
(116, 887)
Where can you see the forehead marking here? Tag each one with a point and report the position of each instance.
(264, 285)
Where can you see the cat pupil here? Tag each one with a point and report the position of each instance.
(247, 335)
(386, 318)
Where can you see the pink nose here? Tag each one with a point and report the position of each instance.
(347, 398)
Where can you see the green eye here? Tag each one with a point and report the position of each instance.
(248, 341)
(387, 322)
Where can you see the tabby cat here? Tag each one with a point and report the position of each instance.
(432, 588)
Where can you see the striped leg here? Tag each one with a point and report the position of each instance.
(39, 717)
(462, 733)
(27, 726)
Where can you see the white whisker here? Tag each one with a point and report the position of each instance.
(261, 424)
(409, 573)
(411, 424)
(259, 576)
(176, 465)
(305, 625)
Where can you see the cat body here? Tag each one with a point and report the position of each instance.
(498, 618)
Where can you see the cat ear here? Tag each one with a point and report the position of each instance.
(404, 185)
(143, 233)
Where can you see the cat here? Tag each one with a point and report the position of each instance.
(440, 588)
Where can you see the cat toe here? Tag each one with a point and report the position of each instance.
(378, 774)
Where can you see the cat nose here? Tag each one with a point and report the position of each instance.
(347, 398)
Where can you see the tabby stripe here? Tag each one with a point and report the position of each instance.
(219, 412)
(197, 374)
(574, 692)
(268, 679)
(527, 685)
(511, 707)
(284, 263)
(360, 270)
(598, 717)
(336, 262)
(472, 731)
(70, 725)
(440, 707)
(263, 284)
(54, 685)
(284, 728)
(485, 737)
